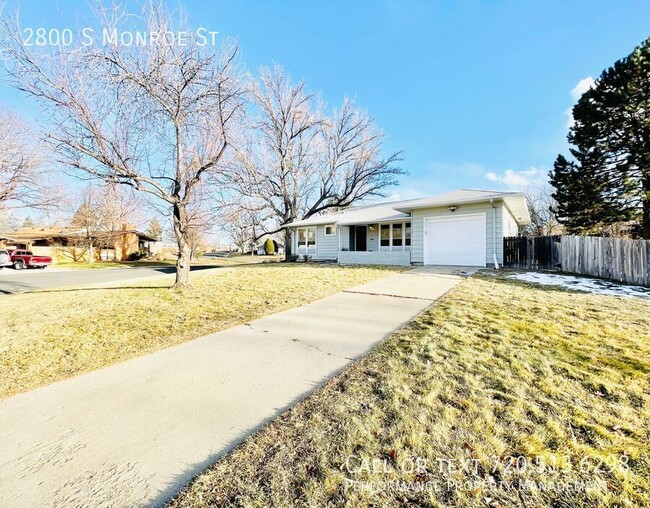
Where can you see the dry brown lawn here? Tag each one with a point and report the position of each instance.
(52, 335)
(503, 394)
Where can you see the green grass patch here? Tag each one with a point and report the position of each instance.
(506, 394)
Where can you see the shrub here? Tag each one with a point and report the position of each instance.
(136, 256)
(293, 258)
(269, 247)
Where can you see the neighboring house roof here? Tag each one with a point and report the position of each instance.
(401, 210)
(33, 234)
(44, 233)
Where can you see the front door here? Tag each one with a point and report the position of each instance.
(361, 234)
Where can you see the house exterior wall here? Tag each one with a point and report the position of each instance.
(398, 258)
(417, 227)
(510, 227)
(125, 244)
(498, 219)
(327, 246)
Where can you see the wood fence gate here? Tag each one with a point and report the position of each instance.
(532, 253)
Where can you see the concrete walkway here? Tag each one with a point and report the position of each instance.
(134, 433)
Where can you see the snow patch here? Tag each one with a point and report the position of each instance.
(597, 286)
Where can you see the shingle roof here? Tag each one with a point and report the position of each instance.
(397, 210)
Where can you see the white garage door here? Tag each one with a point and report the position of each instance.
(457, 240)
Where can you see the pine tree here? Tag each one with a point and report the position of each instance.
(28, 222)
(155, 229)
(89, 222)
(85, 217)
(609, 179)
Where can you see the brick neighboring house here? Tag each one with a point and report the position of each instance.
(71, 243)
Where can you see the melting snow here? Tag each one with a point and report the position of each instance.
(598, 286)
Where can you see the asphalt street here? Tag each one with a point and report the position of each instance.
(13, 281)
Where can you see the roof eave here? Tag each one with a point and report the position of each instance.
(450, 202)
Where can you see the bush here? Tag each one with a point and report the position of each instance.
(306, 258)
(269, 247)
(293, 258)
(136, 256)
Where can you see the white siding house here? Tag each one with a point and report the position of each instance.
(464, 227)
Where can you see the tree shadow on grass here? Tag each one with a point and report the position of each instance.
(74, 290)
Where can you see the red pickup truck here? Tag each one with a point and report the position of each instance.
(25, 259)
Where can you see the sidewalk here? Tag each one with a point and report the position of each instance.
(134, 433)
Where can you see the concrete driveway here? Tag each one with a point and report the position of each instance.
(133, 434)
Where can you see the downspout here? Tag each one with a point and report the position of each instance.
(338, 233)
(494, 234)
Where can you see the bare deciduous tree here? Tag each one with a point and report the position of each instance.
(540, 206)
(156, 117)
(244, 224)
(300, 163)
(101, 213)
(21, 178)
(196, 241)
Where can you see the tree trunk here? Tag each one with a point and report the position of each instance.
(184, 250)
(91, 254)
(287, 244)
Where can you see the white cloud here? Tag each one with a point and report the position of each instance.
(582, 86)
(577, 91)
(403, 193)
(519, 180)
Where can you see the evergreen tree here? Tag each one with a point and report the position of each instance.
(28, 222)
(155, 229)
(609, 179)
(85, 217)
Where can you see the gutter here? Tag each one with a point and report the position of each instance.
(494, 234)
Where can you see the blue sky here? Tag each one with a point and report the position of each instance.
(475, 93)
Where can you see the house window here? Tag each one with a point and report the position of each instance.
(397, 235)
(330, 230)
(306, 238)
(385, 235)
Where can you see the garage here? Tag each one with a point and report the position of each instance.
(455, 240)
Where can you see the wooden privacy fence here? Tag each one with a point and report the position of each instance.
(610, 258)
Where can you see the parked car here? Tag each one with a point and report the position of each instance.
(25, 259)
(5, 259)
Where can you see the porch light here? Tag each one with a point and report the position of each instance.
(453, 208)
